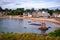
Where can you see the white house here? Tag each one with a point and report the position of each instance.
(24, 14)
(55, 14)
(45, 14)
(29, 14)
(41, 14)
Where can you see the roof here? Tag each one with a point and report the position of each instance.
(44, 14)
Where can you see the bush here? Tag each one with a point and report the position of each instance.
(56, 33)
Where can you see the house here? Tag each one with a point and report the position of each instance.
(1, 14)
(58, 15)
(36, 14)
(43, 14)
(24, 14)
(55, 14)
(27, 14)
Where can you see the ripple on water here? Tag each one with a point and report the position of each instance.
(22, 26)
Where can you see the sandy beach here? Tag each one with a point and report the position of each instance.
(47, 20)
(53, 20)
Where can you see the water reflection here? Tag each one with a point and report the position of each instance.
(22, 26)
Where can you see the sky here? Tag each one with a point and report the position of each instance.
(28, 4)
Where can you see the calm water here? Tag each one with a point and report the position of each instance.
(23, 26)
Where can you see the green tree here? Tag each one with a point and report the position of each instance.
(19, 11)
(32, 10)
(43, 9)
(39, 9)
(1, 9)
(51, 12)
(57, 10)
(27, 10)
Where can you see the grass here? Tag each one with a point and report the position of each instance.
(56, 33)
(25, 36)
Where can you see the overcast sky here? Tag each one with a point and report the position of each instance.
(13, 4)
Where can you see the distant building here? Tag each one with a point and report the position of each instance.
(40, 14)
(58, 15)
(55, 14)
(45, 14)
(1, 14)
(27, 14)
(24, 14)
(36, 14)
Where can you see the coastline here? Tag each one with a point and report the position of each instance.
(53, 20)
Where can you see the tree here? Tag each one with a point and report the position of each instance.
(51, 12)
(27, 10)
(43, 9)
(32, 10)
(57, 9)
(20, 11)
(1, 9)
(40, 10)
(47, 9)
(6, 11)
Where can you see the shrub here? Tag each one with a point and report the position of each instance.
(56, 33)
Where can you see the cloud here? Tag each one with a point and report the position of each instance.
(13, 4)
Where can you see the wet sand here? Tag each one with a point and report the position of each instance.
(47, 20)
(53, 20)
